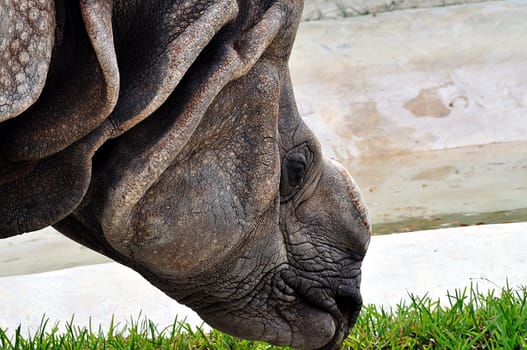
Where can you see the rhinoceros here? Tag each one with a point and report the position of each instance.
(165, 135)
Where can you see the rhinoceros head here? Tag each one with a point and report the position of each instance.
(165, 135)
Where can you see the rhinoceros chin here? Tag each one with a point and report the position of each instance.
(165, 135)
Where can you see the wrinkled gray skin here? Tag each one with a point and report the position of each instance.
(164, 134)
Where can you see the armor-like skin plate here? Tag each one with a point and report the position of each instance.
(165, 135)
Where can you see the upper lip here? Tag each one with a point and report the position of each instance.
(348, 302)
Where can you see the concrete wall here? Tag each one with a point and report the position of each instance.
(415, 80)
(324, 9)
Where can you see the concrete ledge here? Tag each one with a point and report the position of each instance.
(41, 251)
(327, 9)
(430, 262)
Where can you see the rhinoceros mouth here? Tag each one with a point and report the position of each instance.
(342, 304)
(348, 303)
(348, 306)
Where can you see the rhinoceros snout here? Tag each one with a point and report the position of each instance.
(326, 243)
(337, 213)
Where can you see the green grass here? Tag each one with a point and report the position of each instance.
(468, 320)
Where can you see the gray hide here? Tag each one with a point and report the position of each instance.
(165, 135)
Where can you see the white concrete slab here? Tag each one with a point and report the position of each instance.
(437, 261)
(93, 293)
(43, 250)
(421, 262)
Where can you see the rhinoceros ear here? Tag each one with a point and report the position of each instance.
(82, 86)
(45, 158)
(26, 42)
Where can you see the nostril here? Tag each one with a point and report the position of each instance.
(350, 294)
(349, 303)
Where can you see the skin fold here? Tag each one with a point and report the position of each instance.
(165, 135)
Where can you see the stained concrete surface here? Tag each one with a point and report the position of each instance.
(434, 189)
(427, 108)
(415, 80)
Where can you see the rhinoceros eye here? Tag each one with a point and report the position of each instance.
(294, 168)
